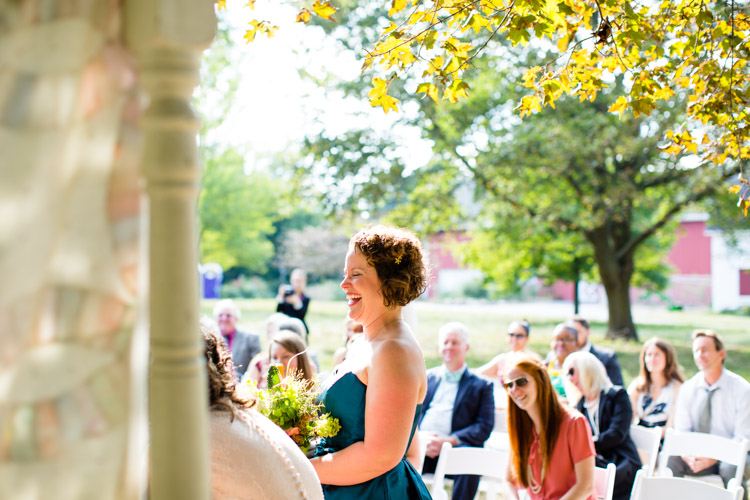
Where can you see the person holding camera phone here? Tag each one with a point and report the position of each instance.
(292, 300)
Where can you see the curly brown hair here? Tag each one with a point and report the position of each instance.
(398, 258)
(222, 383)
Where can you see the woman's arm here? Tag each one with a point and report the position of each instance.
(393, 383)
(584, 486)
(490, 369)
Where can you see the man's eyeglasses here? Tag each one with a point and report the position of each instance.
(516, 335)
(519, 382)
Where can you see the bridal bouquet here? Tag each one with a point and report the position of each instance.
(290, 402)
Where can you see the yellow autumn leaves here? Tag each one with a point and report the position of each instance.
(322, 9)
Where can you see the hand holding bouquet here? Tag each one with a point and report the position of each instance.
(290, 402)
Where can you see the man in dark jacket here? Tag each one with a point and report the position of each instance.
(244, 345)
(608, 357)
(459, 407)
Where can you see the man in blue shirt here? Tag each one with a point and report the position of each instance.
(459, 406)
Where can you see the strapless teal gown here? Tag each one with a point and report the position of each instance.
(345, 400)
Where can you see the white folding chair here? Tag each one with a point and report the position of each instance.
(700, 444)
(604, 482)
(661, 488)
(646, 441)
(488, 463)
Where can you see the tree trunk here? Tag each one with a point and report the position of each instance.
(616, 273)
(576, 282)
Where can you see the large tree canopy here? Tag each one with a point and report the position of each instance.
(662, 48)
(563, 193)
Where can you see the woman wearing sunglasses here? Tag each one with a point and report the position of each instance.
(518, 337)
(552, 453)
(608, 410)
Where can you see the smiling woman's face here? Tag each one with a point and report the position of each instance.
(362, 287)
(281, 356)
(524, 397)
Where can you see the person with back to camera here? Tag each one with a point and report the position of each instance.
(292, 300)
(653, 393)
(251, 457)
(551, 449)
(608, 410)
(377, 392)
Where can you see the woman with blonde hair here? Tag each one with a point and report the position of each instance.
(552, 453)
(608, 411)
(653, 394)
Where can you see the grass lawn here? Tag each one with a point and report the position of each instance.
(487, 325)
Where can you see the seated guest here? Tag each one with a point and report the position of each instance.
(288, 350)
(352, 330)
(275, 323)
(518, 337)
(607, 356)
(564, 338)
(251, 457)
(609, 414)
(459, 406)
(243, 345)
(714, 401)
(551, 450)
(654, 392)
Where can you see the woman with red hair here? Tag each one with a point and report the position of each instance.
(552, 451)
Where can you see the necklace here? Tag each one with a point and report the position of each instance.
(534, 486)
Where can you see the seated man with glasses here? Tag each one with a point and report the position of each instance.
(563, 343)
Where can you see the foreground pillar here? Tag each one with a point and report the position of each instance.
(168, 36)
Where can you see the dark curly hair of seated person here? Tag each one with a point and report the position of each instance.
(222, 383)
(399, 260)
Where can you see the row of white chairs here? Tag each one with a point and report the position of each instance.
(491, 462)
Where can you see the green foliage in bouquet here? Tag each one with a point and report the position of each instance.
(290, 402)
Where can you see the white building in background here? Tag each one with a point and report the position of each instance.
(730, 272)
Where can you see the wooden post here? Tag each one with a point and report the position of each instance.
(168, 37)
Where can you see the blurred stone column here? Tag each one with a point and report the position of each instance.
(71, 412)
(168, 37)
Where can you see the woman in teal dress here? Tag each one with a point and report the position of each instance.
(377, 392)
